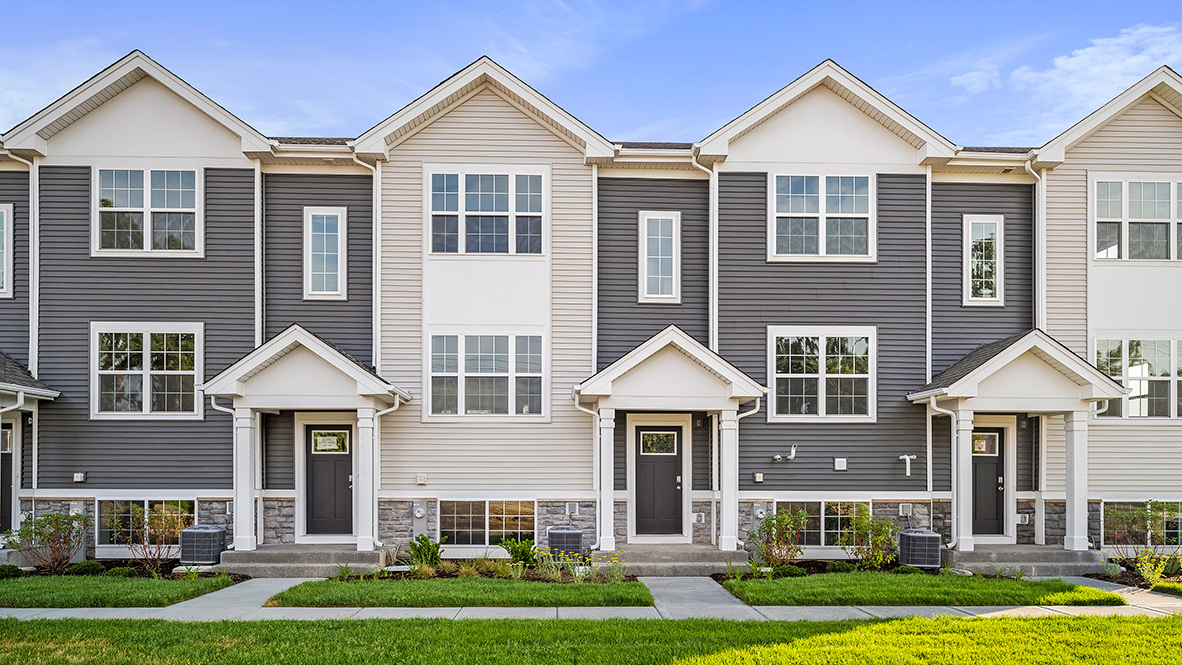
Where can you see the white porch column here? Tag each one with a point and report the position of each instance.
(963, 501)
(728, 480)
(363, 479)
(245, 456)
(1076, 428)
(607, 480)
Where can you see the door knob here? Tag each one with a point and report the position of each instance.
(1000, 488)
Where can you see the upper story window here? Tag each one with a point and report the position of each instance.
(1139, 220)
(145, 370)
(143, 210)
(827, 218)
(6, 248)
(822, 373)
(984, 259)
(486, 375)
(325, 254)
(487, 213)
(1152, 371)
(660, 257)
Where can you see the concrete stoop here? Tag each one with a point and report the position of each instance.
(1032, 560)
(676, 560)
(301, 561)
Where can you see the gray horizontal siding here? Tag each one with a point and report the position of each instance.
(623, 322)
(77, 289)
(941, 454)
(279, 451)
(26, 452)
(956, 329)
(14, 312)
(700, 428)
(349, 323)
(889, 294)
(942, 447)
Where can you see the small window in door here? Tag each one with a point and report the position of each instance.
(658, 443)
(328, 442)
(5, 440)
(985, 444)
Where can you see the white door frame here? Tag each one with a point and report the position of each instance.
(1009, 424)
(302, 420)
(14, 418)
(685, 421)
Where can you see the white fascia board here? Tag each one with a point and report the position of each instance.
(37, 393)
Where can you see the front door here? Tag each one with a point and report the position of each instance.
(330, 479)
(658, 480)
(6, 446)
(988, 481)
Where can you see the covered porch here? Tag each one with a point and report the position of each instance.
(338, 405)
(984, 394)
(20, 395)
(654, 392)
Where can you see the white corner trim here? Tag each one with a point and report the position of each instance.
(642, 295)
(966, 268)
(342, 215)
(869, 332)
(259, 305)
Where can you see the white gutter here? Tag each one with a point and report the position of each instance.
(741, 416)
(376, 462)
(376, 268)
(20, 402)
(952, 466)
(713, 214)
(1040, 247)
(34, 259)
(596, 456)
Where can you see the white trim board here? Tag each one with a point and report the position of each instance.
(685, 421)
(1009, 424)
(303, 419)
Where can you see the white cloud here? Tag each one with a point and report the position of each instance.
(43, 73)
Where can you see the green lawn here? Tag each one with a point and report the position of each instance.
(462, 592)
(71, 591)
(1129, 641)
(866, 588)
(1174, 588)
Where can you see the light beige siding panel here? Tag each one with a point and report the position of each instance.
(556, 456)
(1124, 457)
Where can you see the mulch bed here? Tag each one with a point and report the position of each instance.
(1131, 578)
(811, 567)
(142, 572)
(527, 576)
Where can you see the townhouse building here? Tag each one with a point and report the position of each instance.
(481, 318)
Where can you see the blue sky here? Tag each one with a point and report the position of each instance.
(981, 73)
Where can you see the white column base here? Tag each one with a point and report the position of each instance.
(964, 544)
(245, 543)
(1075, 543)
(607, 543)
(728, 543)
(1040, 521)
(364, 544)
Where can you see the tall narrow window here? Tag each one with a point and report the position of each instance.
(325, 274)
(6, 248)
(145, 370)
(660, 257)
(984, 266)
(822, 373)
(487, 213)
(145, 210)
(810, 224)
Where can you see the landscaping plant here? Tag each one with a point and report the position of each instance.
(423, 552)
(1132, 529)
(1150, 566)
(520, 551)
(779, 537)
(90, 567)
(840, 567)
(869, 539)
(122, 571)
(788, 570)
(152, 536)
(9, 571)
(907, 570)
(50, 540)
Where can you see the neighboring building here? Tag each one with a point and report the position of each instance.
(481, 318)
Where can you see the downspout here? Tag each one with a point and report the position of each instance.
(596, 456)
(376, 463)
(213, 403)
(952, 469)
(713, 214)
(741, 416)
(34, 261)
(20, 401)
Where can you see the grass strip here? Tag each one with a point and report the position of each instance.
(77, 591)
(1172, 588)
(462, 592)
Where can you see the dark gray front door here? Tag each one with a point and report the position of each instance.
(6, 446)
(988, 481)
(658, 480)
(330, 479)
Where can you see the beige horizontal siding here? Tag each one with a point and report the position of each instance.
(486, 129)
(1124, 456)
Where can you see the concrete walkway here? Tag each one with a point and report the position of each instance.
(673, 597)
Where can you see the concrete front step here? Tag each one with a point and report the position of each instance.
(676, 569)
(1026, 554)
(305, 554)
(1034, 569)
(677, 554)
(311, 570)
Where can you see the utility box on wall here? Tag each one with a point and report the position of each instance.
(418, 514)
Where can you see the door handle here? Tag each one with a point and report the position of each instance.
(1000, 479)
(679, 479)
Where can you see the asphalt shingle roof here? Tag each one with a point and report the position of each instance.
(14, 373)
(310, 140)
(656, 145)
(974, 359)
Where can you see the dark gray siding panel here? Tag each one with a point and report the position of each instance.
(623, 322)
(14, 312)
(956, 329)
(348, 324)
(78, 289)
(1026, 435)
(700, 428)
(889, 294)
(941, 454)
(279, 451)
(26, 452)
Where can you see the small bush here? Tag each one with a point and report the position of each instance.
(447, 568)
(908, 570)
(1149, 565)
(502, 569)
(788, 570)
(469, 569)
(520, 551)
(840, 567)
(485, 566)
(50, 540)
(869, 539)
(122, 571)
(86, 568)
(1173, 567)
(423, 552)
(425, 572)
(9, 571)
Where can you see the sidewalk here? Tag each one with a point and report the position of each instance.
(673, 598)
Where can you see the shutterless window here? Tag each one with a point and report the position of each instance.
(660, 256)
(325, 252)
(148, 210)
(115, 526)
(984, 266)
(486, 213)
(6, 248)
(820, 375)
(485, 522)
(1138, 220)
(486, 374)
(146, 372)
(1150, 369)
(809, 223)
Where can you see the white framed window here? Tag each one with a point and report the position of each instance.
(984, 259)
(115, 526)
(822, 373)
(1136, 217)
(826, 521)
(325, 253)
(486, 522)
(821, 218)
(157, 211)
(659, 253)
(146, 371)
(487, 375)
(486, 210)
(7, 231)
(1152, 371)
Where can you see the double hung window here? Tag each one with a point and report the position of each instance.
(487, 213)
(145, 370)
(821, 217)
(1139, 220)
(822, 373)
(144, 210)
(486, 375)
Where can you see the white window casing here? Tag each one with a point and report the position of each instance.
(969, 262)
(822, 375)
(140, 360)
(1150, 366)
(7, 231)
(526, 513)
(486, 375)
(325, 244)
(509, 205)
(659, 257)
(163, 198)
(827, 210)
(1134, 217)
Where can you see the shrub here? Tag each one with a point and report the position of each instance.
(50, 540)
(423, 552)
(1173, 567)
(469, 569)
(122, 571)
(447, 568)
(840, 567)
(869, 539)
(778, 537)
(1130, 528)
(908, 570)
(485, 566)
(1149, 566)
(502, 569)
(425, 572)
(520, 551)
(9, 571)
(788, 570)
(150, 535)
(91, 567)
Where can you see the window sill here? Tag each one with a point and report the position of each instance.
(476, 256)
(340, 297)
(658, 301)
(814, 258)
(1152, 262)
(500, 419)
(983, 303)
(145, 253)
(826, 420)
(147, 416)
